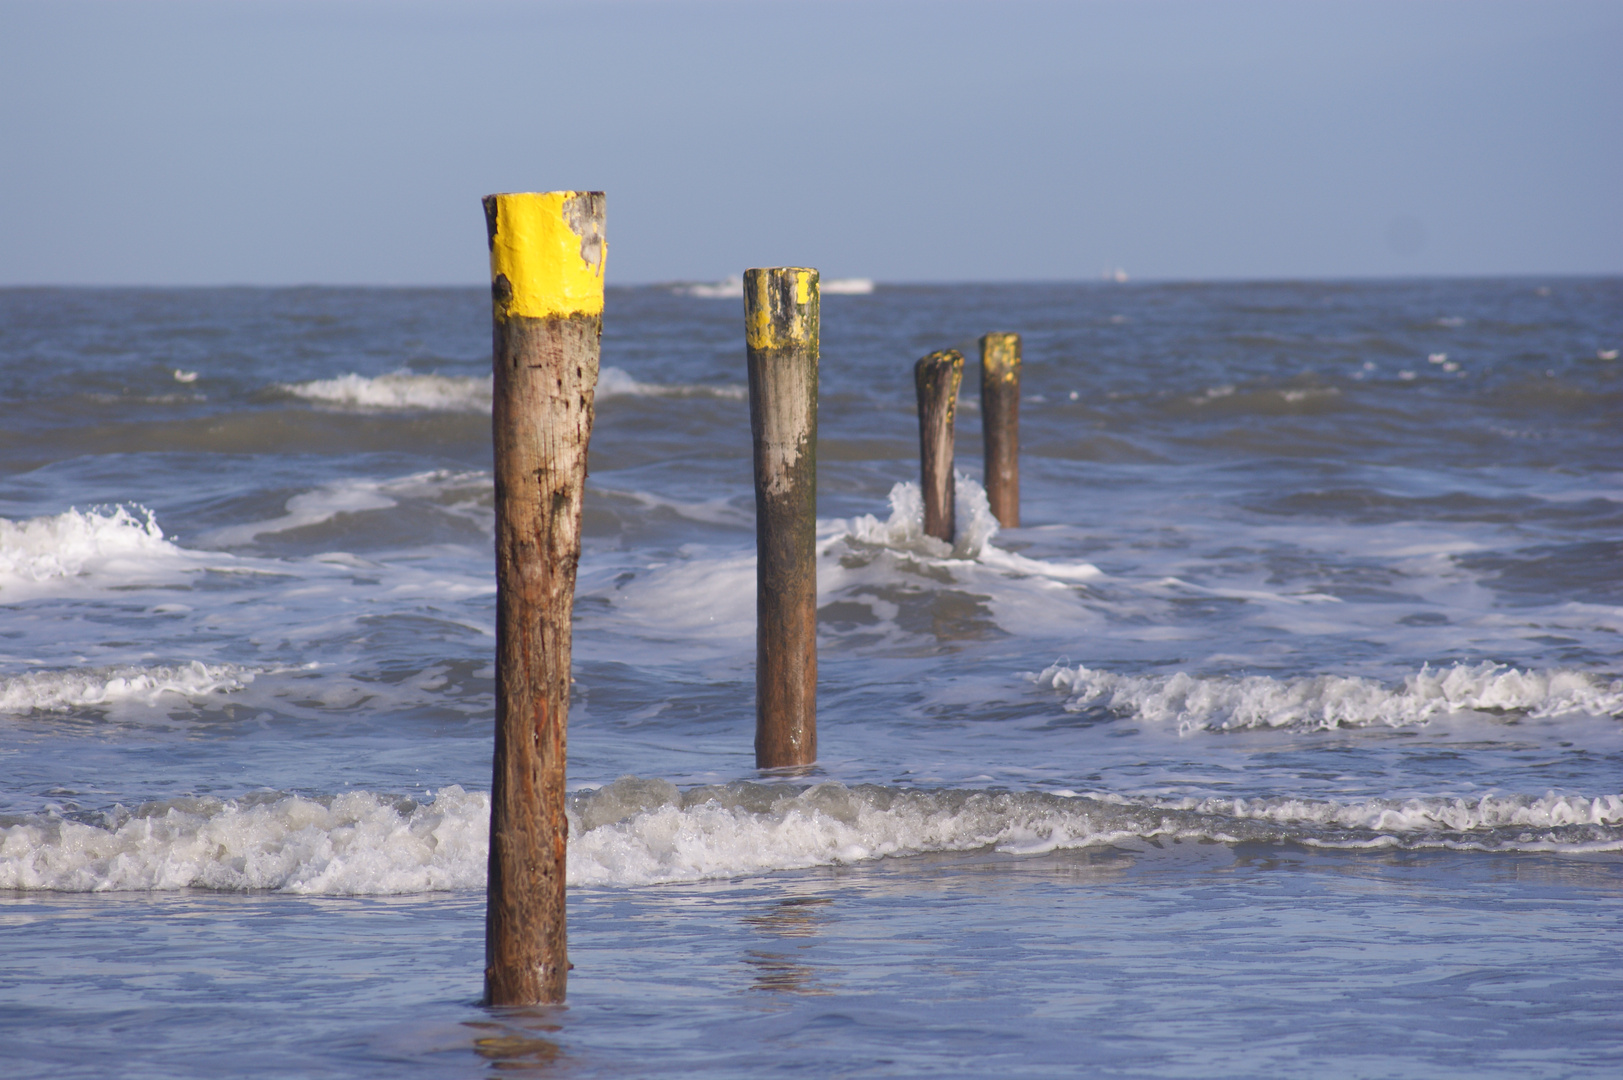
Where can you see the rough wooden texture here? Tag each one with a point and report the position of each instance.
(541, 421)
(1000, 425)
(936, 378)
(781, 318)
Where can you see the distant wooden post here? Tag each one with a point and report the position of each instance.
(781, 310)
(1000, 425)
(546, 268)
(936, 378)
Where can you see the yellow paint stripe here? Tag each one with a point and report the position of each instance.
(1000, 355)
(549, 248)
(771, 319)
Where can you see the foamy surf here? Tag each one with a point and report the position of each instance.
(59, 552)
(353, 843)
(60, 691)
(645, 831)
(705, 598)
(974, 528)
(404, 390)
(732, 288)
(1225, 703)
(397, 390)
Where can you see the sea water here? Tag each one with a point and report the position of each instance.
(1282, 738)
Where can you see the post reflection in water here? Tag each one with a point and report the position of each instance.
(511, 1040)
(786, 973)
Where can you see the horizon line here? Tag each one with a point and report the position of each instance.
(879, 283)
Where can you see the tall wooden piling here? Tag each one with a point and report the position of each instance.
(781, 311)
(936, 378)
(546, 268)
(1000, 425)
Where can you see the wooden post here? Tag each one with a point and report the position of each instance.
(936, 378)
(781, 310)
(1000, 425)
(546, 268)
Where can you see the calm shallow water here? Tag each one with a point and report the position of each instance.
(1284, 736)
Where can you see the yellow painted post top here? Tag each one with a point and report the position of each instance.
(780, 307)
(546, 253)
(951, 359)
(1000, 356)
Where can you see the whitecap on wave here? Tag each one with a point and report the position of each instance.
(397, 390)
(639, 831)
(705, 598)
(345, 844)
(974, 528)
(118, 544)
(1223, 703)
(732, 288)
(404, 390)
(59, 691)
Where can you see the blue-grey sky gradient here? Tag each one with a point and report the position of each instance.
(284, 142)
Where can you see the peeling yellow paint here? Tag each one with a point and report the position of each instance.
(549, 248)
(1000, 357)
(771, 320)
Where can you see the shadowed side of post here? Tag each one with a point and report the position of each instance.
(936, 378)
(781, 313)
(1000, 425)
(546, 267)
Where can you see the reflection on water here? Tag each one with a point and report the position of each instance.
(786, 973)
(511, 1043)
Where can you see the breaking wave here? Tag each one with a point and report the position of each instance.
(1228, 703)
(401, 390)
(119, 542)
(643, 831)
(974, 528)
(59, 691)
(397, 390)
(732, 288)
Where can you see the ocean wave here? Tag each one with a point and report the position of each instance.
(639, 831)
(732, 288)
(614, 382)
(59, 691)
(355, 843)
(1225, 703)
(397, 390)
(974, 528)
(404, 390)
(119, 542)
(450, 491)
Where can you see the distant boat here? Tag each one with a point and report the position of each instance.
(733, 287)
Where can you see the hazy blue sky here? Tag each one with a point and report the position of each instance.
(350, 141)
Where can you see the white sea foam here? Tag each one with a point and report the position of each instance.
(1328, 701)
(404, 390)
(973, 523)
(398, 390)
(614, 382)
(59, 691)
(352, 843)
(732, 288)
(851, 286)
(726, 289)
(641, 831)
(120, 544)
(974, 528)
